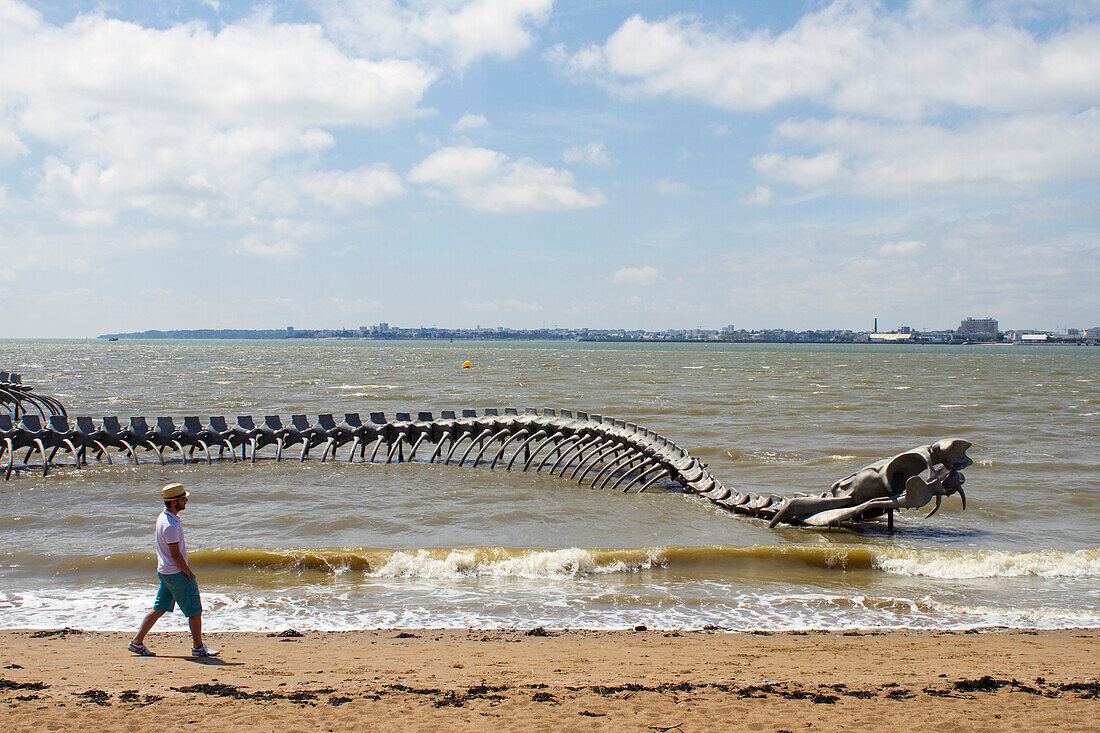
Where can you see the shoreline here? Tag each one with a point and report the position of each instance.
(458, 679)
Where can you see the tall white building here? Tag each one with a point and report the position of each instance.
(981, 327)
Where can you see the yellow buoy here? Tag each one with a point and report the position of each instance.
(467, 364)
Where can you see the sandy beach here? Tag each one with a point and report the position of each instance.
(575, 680)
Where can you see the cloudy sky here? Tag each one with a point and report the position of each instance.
(530, 163)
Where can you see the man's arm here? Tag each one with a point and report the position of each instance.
(178, 558)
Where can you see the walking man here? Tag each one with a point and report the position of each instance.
(177, 582)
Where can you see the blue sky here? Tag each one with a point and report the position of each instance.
(529, 163)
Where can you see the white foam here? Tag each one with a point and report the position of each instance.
(991, 564)
(437, 604)
(568, 563)
(1041, 617)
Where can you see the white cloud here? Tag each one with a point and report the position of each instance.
(994, 155)
(682, 58)
(11, 147)
(904, 248)
(798, 169)
(455, 166)
(933, 97)
(60, 79)
(292, 229)
(489, 181)
(471, 122)
(594, 153)
(17, 19)
(670, 188)
(461, 30)
(647, 275)
(192, 172)
(760, 196)
(254, 244)
(199, 127)
(24, 252)
(854, 56)
(991, 66)
(356, 189)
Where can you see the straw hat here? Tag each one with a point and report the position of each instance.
(174, 491)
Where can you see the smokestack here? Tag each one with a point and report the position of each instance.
(876, 325)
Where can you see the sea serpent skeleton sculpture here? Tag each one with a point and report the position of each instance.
(610, 453)
(17, 398)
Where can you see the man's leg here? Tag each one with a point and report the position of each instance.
(163, 604)
(195, 622)
(146, 624)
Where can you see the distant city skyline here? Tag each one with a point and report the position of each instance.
(798, 165)
(970, 329)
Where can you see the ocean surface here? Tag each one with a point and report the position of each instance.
(344, 546)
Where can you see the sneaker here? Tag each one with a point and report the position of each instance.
(141, 650)
(204, 651)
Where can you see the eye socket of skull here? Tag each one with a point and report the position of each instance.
(903, 467)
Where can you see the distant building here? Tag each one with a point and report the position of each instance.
(936, 337)
(1034, 338)
(727, 330)
(978, 328)
(1092, 333)
(892, 337)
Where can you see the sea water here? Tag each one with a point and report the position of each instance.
(341, 546)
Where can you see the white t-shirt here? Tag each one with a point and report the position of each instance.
(169, 531)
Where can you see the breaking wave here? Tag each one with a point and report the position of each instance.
(957, 565)
(504, 562)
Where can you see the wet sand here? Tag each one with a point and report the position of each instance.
(578, 680)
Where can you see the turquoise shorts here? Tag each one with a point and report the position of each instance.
(178, 589)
